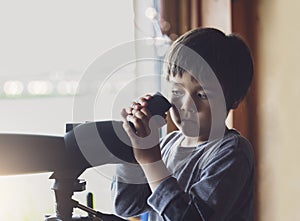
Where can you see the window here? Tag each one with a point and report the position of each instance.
(48, 49)
(45, 48)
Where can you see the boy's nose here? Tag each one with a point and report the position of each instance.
(188, 104)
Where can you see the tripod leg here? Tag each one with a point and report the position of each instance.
(101, 216)
(90, 202)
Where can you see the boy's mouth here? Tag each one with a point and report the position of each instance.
(188, 121)
(188, 117)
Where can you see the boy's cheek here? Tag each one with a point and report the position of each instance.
(174, 100)
(175, 107)
(175, 114)
(176, 103)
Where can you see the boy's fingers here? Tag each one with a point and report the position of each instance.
(144, 100)
(139, 116)
(146, 112)
(148, 96)
(138, 124)
(128, 129)
(129, 110)
(136, 106)
(144, 120)
(124, 113)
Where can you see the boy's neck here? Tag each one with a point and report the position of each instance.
(191, 141)
(195, 141)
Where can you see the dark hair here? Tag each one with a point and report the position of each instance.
(227, 55)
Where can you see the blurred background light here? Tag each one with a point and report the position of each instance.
(150, 13)
(67, 87)
(40, 87)
(13, 88)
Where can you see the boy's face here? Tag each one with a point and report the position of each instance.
(191, 110)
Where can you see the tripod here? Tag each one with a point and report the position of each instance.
(66, 183)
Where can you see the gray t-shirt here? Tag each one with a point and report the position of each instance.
(213, 181)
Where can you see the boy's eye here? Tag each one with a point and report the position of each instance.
(202, 95)
(177, 93)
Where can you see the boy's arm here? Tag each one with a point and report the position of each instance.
(130, 191)
(155, 173)
(167, 197)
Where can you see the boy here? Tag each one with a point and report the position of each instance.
(204, 171)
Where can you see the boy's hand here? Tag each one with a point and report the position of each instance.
(145, 135)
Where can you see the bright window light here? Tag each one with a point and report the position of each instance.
(45, 48)
(13, 88)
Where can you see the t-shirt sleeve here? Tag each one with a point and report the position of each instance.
(130, 191)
